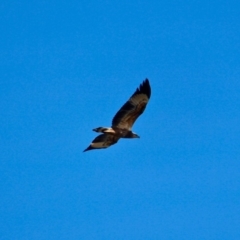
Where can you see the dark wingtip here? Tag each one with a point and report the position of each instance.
(88, 148)
(144, 88)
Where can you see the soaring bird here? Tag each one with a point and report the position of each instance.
(123, 120)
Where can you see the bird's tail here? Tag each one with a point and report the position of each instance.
(104, 130)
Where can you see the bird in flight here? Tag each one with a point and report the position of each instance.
(123, 120)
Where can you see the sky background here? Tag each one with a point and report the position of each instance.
(67, 67)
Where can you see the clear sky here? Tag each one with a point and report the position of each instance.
(67, 67)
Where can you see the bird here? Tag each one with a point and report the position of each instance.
(124, 119)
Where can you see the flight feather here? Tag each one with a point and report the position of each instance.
(133, 108)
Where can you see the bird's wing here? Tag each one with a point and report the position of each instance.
(102, 141)
(133, 108)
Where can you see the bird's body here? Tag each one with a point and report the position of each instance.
(121, 132)
(123, 120)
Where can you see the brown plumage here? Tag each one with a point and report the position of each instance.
(103, 141)
(124, 119)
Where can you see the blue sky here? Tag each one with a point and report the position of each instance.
(67, 67)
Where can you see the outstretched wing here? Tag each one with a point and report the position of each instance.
(133, 108)
(102, 141)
